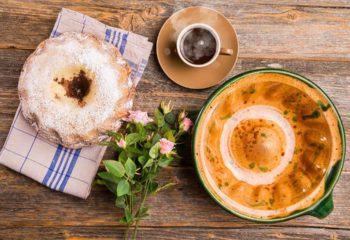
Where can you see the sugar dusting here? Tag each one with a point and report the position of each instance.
(66, 117)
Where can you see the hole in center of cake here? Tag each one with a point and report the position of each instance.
(77, 87)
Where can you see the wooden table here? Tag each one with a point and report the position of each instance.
(311, 37)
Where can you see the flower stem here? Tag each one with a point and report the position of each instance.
(126, 233)
(141, 206)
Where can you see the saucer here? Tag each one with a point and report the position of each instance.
(178, 71)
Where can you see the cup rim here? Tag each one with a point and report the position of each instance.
(204, 26)
(332, 178)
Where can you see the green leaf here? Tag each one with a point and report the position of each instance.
(156, 138)
(151, 126)
(170, 118)
(164, 162)
(128, 216)
(100, 182)
(134, 151)
(150, 175)
(115, 168)
(132, 138)
(123, 220)
(148, 163)
(114, 135)
(123, 188)
(154, 151)
(164, 129)
(120, 202)
(147, 145)
(142, 160)
(159, 118)
(110, 144)
(170, 136)
(122, 157)
(130, 168)
(108, 177)
(141, 130)
(111, 187)
(152, 187)
(137, 187)
(142, 212)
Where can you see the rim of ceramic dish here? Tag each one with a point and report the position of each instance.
(330, 180)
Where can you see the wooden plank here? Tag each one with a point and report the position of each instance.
(308, 3)
(25, 203)
(333, 77)
(286, 33)
(264, 30)
(112, 233)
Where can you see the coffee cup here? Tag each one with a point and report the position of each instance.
(198, 45)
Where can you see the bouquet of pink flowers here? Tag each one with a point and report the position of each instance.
(146, 146)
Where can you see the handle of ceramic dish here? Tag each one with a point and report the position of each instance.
(226, 51)
(324, 208)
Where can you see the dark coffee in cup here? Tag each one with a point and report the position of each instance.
(198, 46)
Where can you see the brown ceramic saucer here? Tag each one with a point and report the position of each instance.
(179, 72)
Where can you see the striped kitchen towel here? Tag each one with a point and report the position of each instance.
(70, 171)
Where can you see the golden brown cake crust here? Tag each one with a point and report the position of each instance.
(62, 119)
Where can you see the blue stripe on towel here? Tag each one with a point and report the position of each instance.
(133, 68)
(70, 170)
(55, 34)
(64, 169)
(113, 37)
(53, 164)
(116, 44)
(108, 34)
(123, 44)
(62, 159)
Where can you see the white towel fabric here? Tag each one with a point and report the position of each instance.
(68, 170)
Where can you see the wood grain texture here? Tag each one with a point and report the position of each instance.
(25, 203)
(112, 233)
(308, 37)
(274, 30)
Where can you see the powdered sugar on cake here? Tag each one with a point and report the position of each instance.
(60, 59)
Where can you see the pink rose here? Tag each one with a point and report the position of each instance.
(138, 117)
(121, 143)
(166, 146)
(186, 124)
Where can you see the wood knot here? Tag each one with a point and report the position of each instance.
(291, 15)
(152, 13)
(134, 21)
